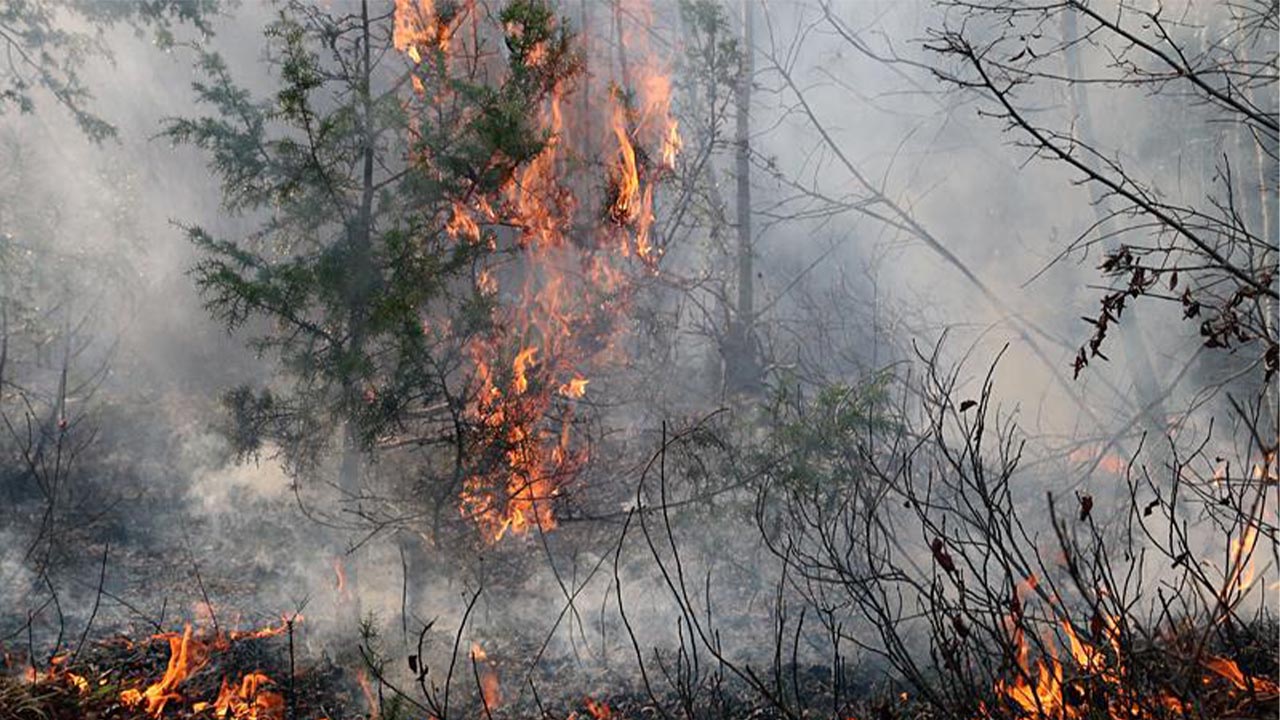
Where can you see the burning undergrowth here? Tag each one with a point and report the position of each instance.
(215, 673)
(828, 567)
(787, 595)
(256, 675)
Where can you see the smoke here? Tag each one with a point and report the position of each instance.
(842, 289)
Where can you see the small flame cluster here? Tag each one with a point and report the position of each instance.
(1095, 681)
(597, 709)
(252, 697)
(559, 291)
(640, 120)
(58, 673)
(490, 688)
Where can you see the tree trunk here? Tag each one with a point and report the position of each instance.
(742, 362)
(361, 267)
(1145, 382)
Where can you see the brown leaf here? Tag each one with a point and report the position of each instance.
(942, 557)
(1086, 506)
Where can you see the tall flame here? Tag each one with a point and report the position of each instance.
(558, 288)
(185, 656)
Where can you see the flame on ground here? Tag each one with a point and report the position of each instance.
(1229, 670)
(599, 710)
(1094, 681)
(56, 673)
(249, 699)
(186, 655)
(370, 698)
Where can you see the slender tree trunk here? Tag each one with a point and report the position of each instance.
(361, 261)
(623, 67)
(349, 482)
(4, 343)
(741, 359)
(1146, 384)
(584, 10)
(746, 294)
(1266, 168)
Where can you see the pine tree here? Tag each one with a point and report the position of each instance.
(353, 275)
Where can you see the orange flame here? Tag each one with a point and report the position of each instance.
(266, 632)
(56, 673)
(575, 388)
(490, 691)
(566, 284)
(626, 205)
(598, 710)
(1230, 671)
(462, 226)
(1049, 690)
(418, 26)
(671, 145)
(1241, 570)
(520, 367)
(1091, 454)
(371, 700)
(339, 577)
(247, 700)
(188, 654)
(185, 656)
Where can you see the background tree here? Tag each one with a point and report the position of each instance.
(1210, 246)
(44, 55)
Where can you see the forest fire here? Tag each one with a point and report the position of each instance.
(418, 26)
(241, 696)
(632, 359)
